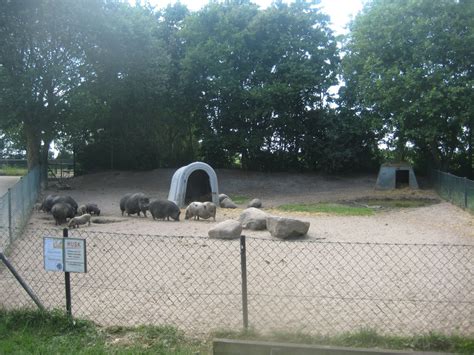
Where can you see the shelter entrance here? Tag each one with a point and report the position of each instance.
(194, 182)
(402, 179)
(198, 187)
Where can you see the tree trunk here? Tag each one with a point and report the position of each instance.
(44, 160)
(470, 152)
(32, 145)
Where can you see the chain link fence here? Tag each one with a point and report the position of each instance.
(197, 283)
(455, 189)
(16, 206)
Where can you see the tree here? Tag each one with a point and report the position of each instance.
(409, 63)
(127, 93)
(42, 49)
(257, 76)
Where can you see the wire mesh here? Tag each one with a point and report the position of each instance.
(195, 283)
(16, 206)
(458, 190)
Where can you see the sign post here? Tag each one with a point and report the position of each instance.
(65, 255)
(67, 277)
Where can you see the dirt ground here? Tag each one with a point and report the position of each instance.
(400, 271)
(438, 223)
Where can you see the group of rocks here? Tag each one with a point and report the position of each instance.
(64, 207)
(253, 218)
(226, 202)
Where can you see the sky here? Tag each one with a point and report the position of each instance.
(340, 11)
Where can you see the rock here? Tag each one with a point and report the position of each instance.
(222, 196)
(228, 203)
(255, 203)
(229, 229)
(283, 228)
(254, 219)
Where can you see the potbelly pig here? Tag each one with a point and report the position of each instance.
(62, 211)
(161, 209)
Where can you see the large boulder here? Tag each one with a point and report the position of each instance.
(222, 196)
(228, 229)
(254, 219)
(283, 228)
(255, 203)
(228, 203)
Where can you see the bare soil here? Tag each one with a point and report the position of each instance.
(438, 223)
(402, 271)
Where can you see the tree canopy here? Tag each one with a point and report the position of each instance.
(409, 65)
(134, 87)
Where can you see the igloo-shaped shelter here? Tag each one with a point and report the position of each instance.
(194, 182)
(396, 175)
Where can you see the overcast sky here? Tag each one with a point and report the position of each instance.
(340, 11)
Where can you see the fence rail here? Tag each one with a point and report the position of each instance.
(196, 283)
(458, 190)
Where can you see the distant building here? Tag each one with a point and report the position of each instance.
(395, 176)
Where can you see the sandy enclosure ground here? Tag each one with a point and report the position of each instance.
(439, 223)
(342, 277)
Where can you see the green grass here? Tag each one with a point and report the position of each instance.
(365, 338)
(35, 332)
(399, 203)
(239, 199)
(8, 170)
(331, 208)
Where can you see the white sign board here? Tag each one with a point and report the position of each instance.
(64, 254)
(74, 255)
(53, 254)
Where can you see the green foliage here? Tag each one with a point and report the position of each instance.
(9, 170)
(239, 199)
(261, 78)
(408, 66)
(399, 203)
(35, 332)
(42, 63)
(330, 208)
(132, 87)
(26, 331)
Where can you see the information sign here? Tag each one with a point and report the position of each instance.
(53, 254)
(64, 254)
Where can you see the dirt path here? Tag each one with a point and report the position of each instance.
(6, 182)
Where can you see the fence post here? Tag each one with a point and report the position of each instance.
(22, 282)
(10, 233)
(243, 263)
(67, 282)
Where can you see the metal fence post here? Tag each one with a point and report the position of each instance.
(10, 233)
(23, 284)
(243, 263)
(67, 282)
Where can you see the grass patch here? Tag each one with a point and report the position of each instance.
(398, 203)
(239, 199)
(364, 338)
(35, 332)
(330, 208)
(7, 170)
